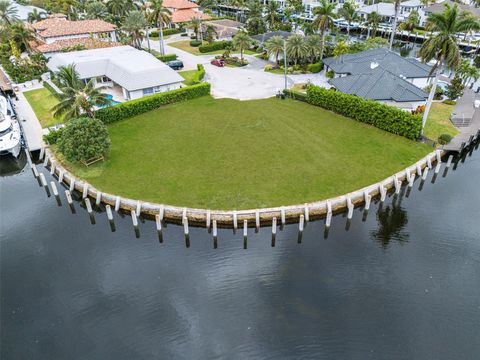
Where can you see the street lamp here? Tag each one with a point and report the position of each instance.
(285, 61)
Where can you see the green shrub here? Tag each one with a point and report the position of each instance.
(183, 34)
(53, 136)
(268, 67)
(382, 116)
(455, 88)
(167, 32)
(449, 102)
(215, 46)
(330, 74)
(444, 139)
(438, 92)
(195, 43)
(200, 74)
(315, 68)
(154, 34)
(166, 57)
(84, 139)
(152, 102)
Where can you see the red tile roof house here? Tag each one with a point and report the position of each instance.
(184, 11)
(57, 33)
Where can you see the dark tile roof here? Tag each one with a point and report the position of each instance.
(379, 84)
(361, 63)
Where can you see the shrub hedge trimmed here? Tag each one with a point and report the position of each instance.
(315, 68)
(152, 102)
(217, 45)
(166, 57)
(382, 116)
(200, 74)
(195, 43)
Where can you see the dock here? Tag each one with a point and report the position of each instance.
(31, 128)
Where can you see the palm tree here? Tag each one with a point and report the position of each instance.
(36, 15)
(160, 16)
(210, 32)
(96, 10)
(394, 25)
(8, 13)
(120, 8)
(296, 48)
(373, 20)
(324, 15)
(77, 98)
(274, 46)
(242, 42)
(348, 12)
(272, 15)
(467, 71)
(134, 24)
(255, 21)
(443, 46)
(314, 45)
(196, 26)
(21, 35)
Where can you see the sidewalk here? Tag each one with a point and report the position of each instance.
(32, 130)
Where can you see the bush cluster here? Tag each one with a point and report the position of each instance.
(444, 139)
(200, 74)
(195, 43)
(152, 102)
(382, 116)
(315, 68)
(166, 57)
(215, 46)
(166, 32)
(53, 136)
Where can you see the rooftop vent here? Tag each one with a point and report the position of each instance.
(373, 65)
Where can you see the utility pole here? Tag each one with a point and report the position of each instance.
(285, 61)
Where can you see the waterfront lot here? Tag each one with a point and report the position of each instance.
(244, 154)
(438, 121)
(42, 101)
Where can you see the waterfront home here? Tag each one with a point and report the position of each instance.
(183, 11)
(129, 73)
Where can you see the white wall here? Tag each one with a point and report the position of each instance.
(421, 82)
(137, 94)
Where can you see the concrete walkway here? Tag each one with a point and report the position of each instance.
(32, 129)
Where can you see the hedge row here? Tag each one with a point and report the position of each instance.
(382, 116)
(200, 74)
(166, 32)
(217, 45)
(50, 88)
(166, 57)
(152, 102)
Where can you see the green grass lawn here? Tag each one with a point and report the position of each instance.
(42, 101)
(185, 46)
(438, 121)
(227, 154)
(188, 75)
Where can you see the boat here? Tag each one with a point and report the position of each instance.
(10, 134)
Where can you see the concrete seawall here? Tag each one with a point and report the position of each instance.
(255, 217)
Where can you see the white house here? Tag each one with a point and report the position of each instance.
(125, 70)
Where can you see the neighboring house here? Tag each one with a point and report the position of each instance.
(225, 29)
(184, 11)
(125, 70)
(261, 38)
(385, 10)
(380, 74)
(74, 45)
(439, 8)
(22, 11)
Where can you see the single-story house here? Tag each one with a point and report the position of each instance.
(73, 45)
(225, 29)
(127, 71)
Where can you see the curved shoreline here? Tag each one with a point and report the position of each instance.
(255, 217)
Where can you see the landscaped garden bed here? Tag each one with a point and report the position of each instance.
(229, 154)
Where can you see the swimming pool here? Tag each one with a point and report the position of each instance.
(112, 102)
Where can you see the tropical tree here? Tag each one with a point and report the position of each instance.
(443, 45)
(275, 46)
(349, 13)
(134, 24)
(21, 35)
(255, 21)
(242, 42)
(120, 8)
(467, 71)
(394, 25)
(196, 26)
(271, 16)
(96, 10)
(76, 97)
(36, 15)
(314, 45)
(8, 13)
(324, 15)
(341, 48)
(210, 32)
(373, 20)
(297, 49)
(161, 16)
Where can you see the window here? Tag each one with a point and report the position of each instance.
(148, 91)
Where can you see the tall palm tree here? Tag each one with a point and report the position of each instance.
(8, 13)
(271, 16)
(296, 48)
(394, 25)
(324, 15)
(314, 45)
(196, 26)
(134, 24)
(255, 21)
(349, 13)
(242, 42)
(373, 20)
(274, 46)
(120, 8)
(210, 32)
(160, 16)
(443, 46)
(77, 98)
(96, 10)
(36, 15)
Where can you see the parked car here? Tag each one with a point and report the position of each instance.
(175, 64)
(218, 62)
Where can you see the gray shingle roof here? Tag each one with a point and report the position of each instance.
(360, 63)
(379, 84)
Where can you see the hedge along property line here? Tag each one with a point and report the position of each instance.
(49, 87)
(225, 218)
(382, 116)
(217, 45)
(139, 106)
(200, 73)
(166, 58)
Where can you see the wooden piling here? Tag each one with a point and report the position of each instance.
(429, 162)
(282, 215)
(72, 185)
(449, 161)
(60, 176)
(161, 212)
(185, 226)
(235, 220)
(52, 168)
(138, 209)
(383, 192)
(425, 173)
(158, 222)
(209, 216)
(45, 163)
(85, 190)
(42, 153)
(257, 219)
(42, 180)
(412, 180)
(419, 170)
(301, 223)
(437, 168)
(368, 199)
(438, 154)
(328, 219)
(397, 184)
(214, 231)
(245, 233)
(35, 170)
(274, 225)
(350, 208)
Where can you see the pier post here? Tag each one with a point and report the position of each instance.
(437, 168)
(419, 170)
(301, 223)
(449, 161)
(214, 231)
(138, 209)
(35, 170)
(52, 168)
(209, 215)
(109, 213)
(245, 233)
(368, 199)
(42, 153)
(186, 232)
(69, 197)
(134, 218)
(43, 181)
(72, 184)
(412, 180)
(307, 213)
(54, 188)
(99, 198)
(350, 208)
(328, 219)
(425, 173)
(438, 153)
(274, 230)
(235, 224)
(184, 214)
(161, 212)
(88, 205)
(429, 162)
(257, 220)
(282, 216)
(60, 176)
(158, 223)
(397, 184)
(383, 193)
(85, 190)
(45, 162)
(117, 203)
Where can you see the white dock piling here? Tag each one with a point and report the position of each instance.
(209, 216)
(52, 168)
(257, 219)
(214, 230)
(412, 180)
(54, 188)
(350, 207)
(69, 197)
(425, 173)
(185, 226)
(134, 218)
(408, 174)
(429, 162)
(42, 153)
(85, 190)
(45, 162)
(60, 176)
(419, 170)
(109, 212)
(274, 225)
(301, 223)
(158, 222)
(72, 184)
(328, 220)
(88, 205)
(139, 208)
(117, 203)
(398, 185)
(245, 228)
(235, 224)
(35, 171)
(42, 180)
(449, 161)
(99, 198)
(282, 215)
(438, 154)
(383, 193)
(368, 199)
(161, 212)
(437, 168)
(307, 213)
(184, 213)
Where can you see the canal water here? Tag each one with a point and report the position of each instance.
(403, 284)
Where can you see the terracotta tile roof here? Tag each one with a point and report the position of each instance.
(88, 43)
(186, 15)
(61, 27)
(179, 4)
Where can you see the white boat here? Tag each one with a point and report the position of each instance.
(10, 135)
